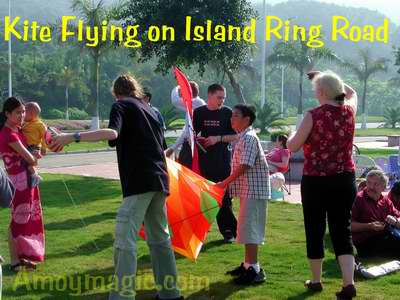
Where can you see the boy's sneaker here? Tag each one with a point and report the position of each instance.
(250, 276)
(237, 271)
(35, 180)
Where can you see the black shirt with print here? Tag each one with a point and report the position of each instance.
(215, 164)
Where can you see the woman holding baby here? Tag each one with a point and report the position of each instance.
(26, 232)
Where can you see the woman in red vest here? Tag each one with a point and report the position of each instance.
(328, 187)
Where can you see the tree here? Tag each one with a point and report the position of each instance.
(188, 53)
(67, 79)
(363, 70)
(267, 118)
(397, 57)
(93, 13)
(392, 116)
(300, 57)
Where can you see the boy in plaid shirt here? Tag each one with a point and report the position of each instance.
(249, 181)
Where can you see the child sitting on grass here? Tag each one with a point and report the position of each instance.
(34, 130)
(250, 182)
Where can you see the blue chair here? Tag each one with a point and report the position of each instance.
(394, 169)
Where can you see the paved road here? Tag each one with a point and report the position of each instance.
(72, 160)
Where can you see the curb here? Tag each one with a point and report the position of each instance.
(81, 152)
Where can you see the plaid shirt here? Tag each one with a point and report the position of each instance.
(255, 182)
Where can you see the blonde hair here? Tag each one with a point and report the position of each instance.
(33, 107)
(331, 84)
(126, 85)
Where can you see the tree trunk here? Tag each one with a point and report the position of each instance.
(364, 106)
(66, 103)
(300, 104)
(235, 85)
(96, 82)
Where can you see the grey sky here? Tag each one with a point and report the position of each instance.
(391, 8)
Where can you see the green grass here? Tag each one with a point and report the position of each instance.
(86, 146)
(103, 145)
(377, 132)
(76, 248)
(373, 153)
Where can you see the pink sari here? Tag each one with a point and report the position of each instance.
(26, 225)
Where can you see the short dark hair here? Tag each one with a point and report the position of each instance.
(215, 87)
(195, 88)
(148, 95)
(247, 111)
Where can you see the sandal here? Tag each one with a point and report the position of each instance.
(17, 267)
(313, 286)
(28, 264)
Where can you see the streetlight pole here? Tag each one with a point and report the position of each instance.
(282, 86)
(263, 56)
(9, 57)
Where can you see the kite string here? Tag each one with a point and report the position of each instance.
(77, 209)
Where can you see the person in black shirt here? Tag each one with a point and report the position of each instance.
(136, 132)
(212, 122)
(147, 98)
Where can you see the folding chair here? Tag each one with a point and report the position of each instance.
(363, 163)
(394, 169)
(383, 163)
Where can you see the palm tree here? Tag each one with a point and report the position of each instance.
(67, 79)
(300, 57)
(267, 118)
(364, 70)
(93, 14)
(392, 116)
(170, 117)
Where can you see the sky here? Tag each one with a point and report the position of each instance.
(391, 8)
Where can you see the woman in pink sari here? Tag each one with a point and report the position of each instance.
(26, 234)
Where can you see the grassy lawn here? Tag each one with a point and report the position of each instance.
(86, 146)
(103, 145)
(373, 153)
(377, 132)
(82, 249)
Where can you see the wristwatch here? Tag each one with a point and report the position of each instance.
(77, 137)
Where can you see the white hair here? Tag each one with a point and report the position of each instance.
(330, 83)
(378, 174)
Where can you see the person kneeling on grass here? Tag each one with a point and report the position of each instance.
(250, 182)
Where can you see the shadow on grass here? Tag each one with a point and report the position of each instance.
(90, 248)
(304, 295)
(77, 223)
(216, 290)
(213, 244)
(82, 189)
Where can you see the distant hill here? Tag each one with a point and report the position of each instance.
(311, 12)
(39, 10)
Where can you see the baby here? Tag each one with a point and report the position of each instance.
(34, 130)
